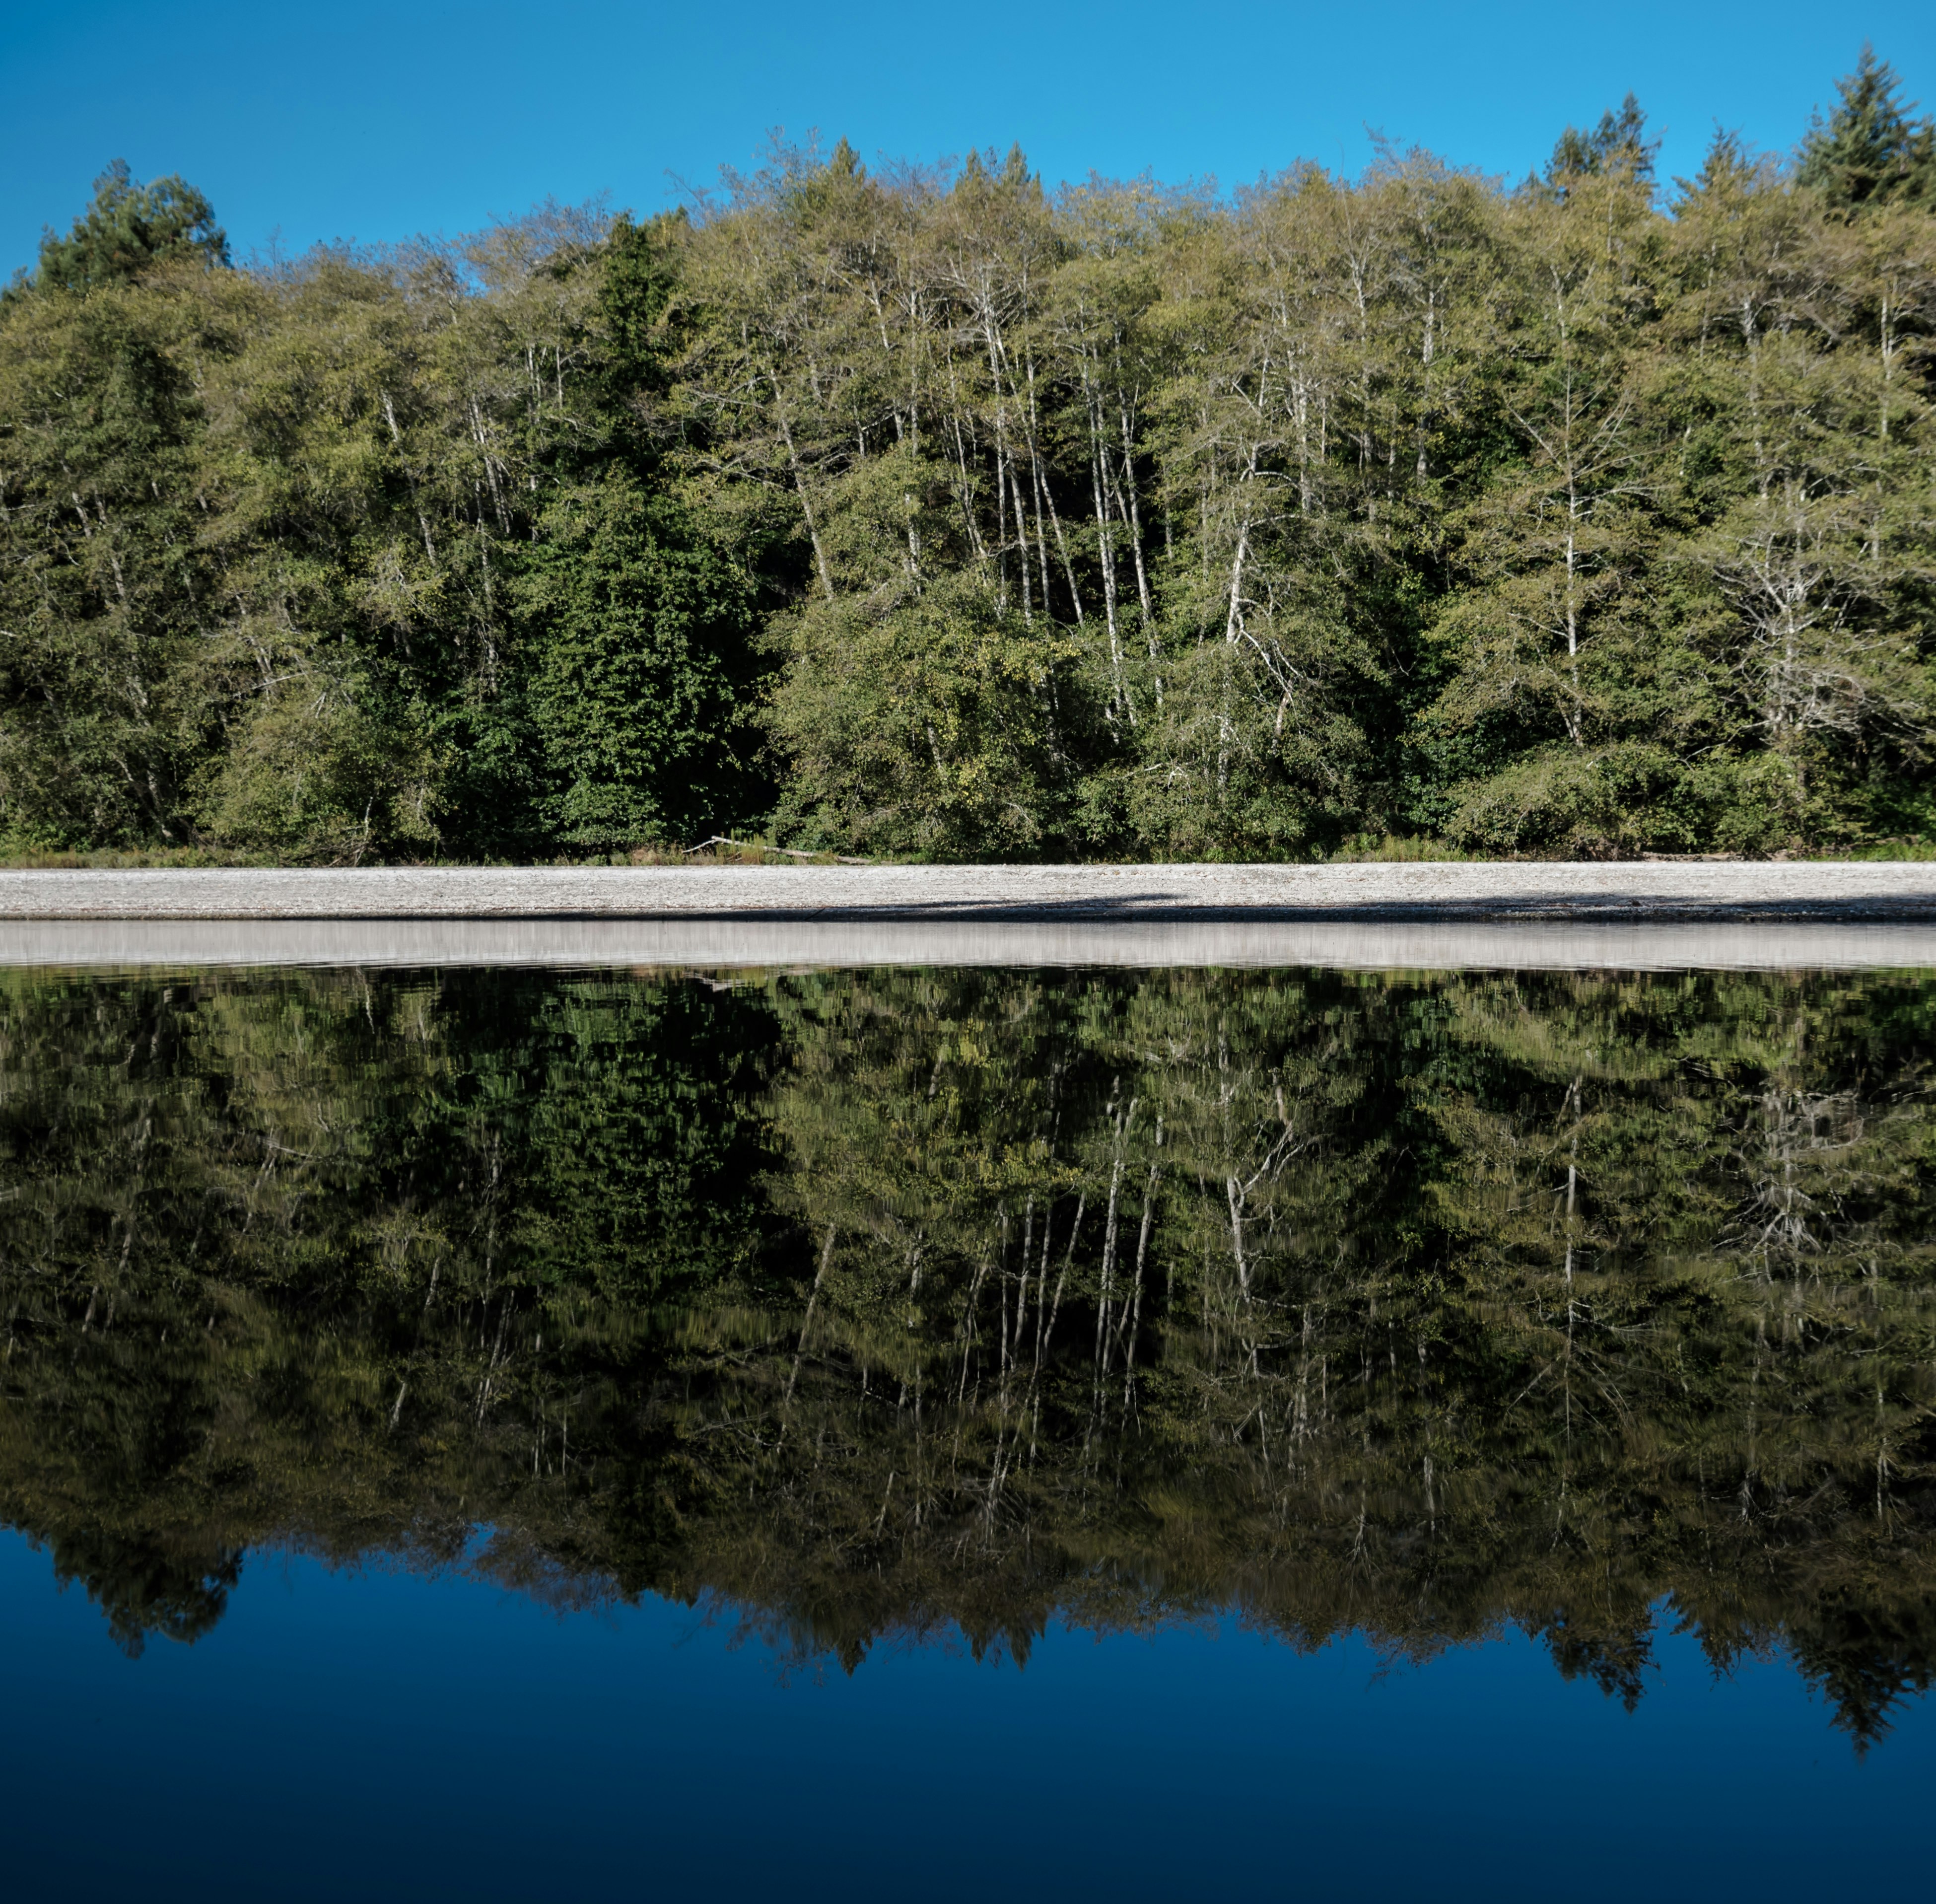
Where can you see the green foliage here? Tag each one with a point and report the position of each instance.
(925, 727)
(639, 679)
(1870, 152)
(127, 228)
(1618, 144)
(104, 576)
(913, 513)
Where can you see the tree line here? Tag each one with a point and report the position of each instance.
(897, 1304)
(919, 511)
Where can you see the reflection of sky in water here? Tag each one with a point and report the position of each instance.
(380, 1733)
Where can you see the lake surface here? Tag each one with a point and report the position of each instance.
(527, 1432)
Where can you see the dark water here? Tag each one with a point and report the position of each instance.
(967, 1433)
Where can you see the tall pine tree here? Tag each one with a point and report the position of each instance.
(1870, 151)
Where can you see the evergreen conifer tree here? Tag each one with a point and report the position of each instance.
(129, 227)
(1618, 144)
(1870, 151)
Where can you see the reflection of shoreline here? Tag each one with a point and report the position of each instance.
(1396, 945)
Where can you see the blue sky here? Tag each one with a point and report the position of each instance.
(376, 121)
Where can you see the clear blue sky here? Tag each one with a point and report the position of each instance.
(375, 121)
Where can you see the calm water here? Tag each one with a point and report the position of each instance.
(969, 1433)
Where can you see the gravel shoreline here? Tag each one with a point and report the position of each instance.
(1647, 891)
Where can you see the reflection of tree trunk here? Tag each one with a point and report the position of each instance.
(806, 1320)
(1236, 1198)
(1109, 1241)
(1572, 1185)
(1136, 1313)
(968, 1329)
(1045, 1332)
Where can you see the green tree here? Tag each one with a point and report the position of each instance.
(129, 227)
(924, 511)
(1870, 152)
(639, 676)
(1618, 147)
(106, 577)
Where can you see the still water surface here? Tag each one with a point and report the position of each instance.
(1335, 1434)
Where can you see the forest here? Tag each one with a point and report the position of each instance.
(899, 1305)
(916, 511)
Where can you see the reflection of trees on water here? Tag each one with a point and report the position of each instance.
(890, 1303)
